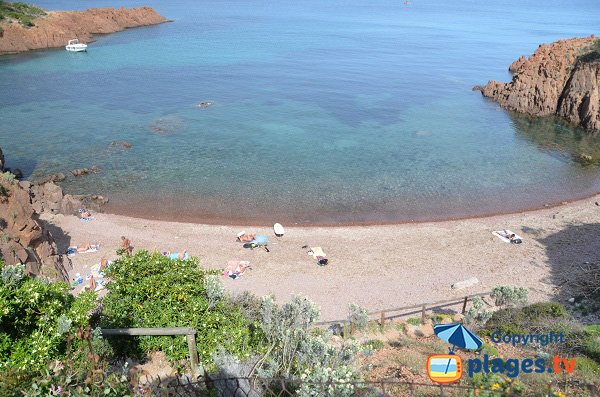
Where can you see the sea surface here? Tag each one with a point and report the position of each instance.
(322, 111)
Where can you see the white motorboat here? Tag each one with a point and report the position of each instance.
(75, 46)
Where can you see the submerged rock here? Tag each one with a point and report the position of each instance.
(85, 171)
(121, 144)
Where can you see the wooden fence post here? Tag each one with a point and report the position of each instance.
(191, 341)
(423, 308)
(465, 305)
(382, 321)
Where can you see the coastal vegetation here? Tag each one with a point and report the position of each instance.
(23, 13)
(591, 53)
(50, 341)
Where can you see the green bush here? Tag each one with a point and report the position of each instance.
(358, 317)
(151, 290)
(414, 321)
(509, 296)
(22, 12)
(587, 367)
(374, 344)
(35, 318)
(546, 315)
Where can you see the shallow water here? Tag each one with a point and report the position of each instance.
(323, 113)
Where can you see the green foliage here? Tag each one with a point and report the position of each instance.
(535, 317)
(494, 385)
(508, 296)
(34, 317)
(592, 53)
(358, 317)
(293, 348)
(21, 12)
(8, 177)
(414, 321)
(587, 367)
(151, 290)
(477, 313)
(4, 192)
(327, 382)
(488, 349)
(82, 372)
(374, 344)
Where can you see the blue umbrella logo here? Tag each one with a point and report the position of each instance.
(457, 335)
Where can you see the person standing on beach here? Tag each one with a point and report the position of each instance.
(126, 245)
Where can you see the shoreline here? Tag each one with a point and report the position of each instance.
(376, 266)
(220, 221)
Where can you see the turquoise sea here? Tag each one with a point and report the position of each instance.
(324, 111)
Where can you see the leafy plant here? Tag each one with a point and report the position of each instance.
(82, 372)
(21, 12)
(152, 290)
(494, 385)
(358, 317)
(509, 296)
(477, 313)
(34, 317)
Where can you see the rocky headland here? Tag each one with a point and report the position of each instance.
(561, 79)
(56, 28)
(24, 237)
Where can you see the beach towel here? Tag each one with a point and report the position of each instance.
(175, 255)
(87, 219)
(73, 250)
(95, 269)
(504, 236)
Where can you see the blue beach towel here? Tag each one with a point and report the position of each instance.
(175, 255)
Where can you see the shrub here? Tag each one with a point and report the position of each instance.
(358, 317)
(508, 296)
(548, 316)
(22, 12)
(494, 385)
(34, 319)
(414, 321)
(477, 313)
(374, 344)
(82, 372)
(151, 290)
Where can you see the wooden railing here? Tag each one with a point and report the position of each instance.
(190, 334)
(404, 310)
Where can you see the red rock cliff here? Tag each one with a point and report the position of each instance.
(58, 27)
(554, 81)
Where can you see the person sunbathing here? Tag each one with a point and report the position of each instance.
(103, 264)
(244, 237)
(91, 286)
(85, 214)
(87, 247)
(235, 269)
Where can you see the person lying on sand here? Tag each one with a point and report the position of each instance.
(244, 237)
(91, 286)
(87, 247)
(235, 269)
(85, 214)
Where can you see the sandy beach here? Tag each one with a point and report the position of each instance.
(377, 267)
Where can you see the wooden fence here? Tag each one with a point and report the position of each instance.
(383, 315)
(386, 314)
(190, 334)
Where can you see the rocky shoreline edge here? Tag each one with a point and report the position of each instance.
(56, 28)
(561, 79)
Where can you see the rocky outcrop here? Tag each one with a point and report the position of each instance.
(58, 27)
(555, 80)
(23, 239)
